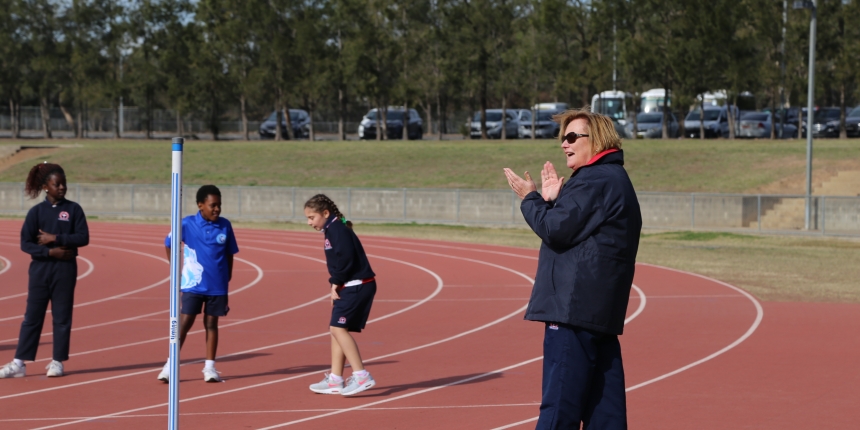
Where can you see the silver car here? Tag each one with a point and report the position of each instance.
(545, 127)
(758, 125)
(494, 124)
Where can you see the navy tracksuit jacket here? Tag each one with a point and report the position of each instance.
(51, 280)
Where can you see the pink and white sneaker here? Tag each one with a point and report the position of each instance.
(327, 386)
(357, 384)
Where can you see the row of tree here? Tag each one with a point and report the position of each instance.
(207, 58)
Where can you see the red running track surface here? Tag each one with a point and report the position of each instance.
(446, 344)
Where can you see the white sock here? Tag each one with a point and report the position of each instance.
(335, 378)
(19, 363)
(210, 364)
(360, 373)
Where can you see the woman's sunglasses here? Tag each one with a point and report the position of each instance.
(571, 137)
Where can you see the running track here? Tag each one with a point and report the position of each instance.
(446, 343)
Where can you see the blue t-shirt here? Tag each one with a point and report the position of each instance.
(207, 244)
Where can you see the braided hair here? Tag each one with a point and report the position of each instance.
(38, 177)
(320, 203)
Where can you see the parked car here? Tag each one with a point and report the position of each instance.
(299, 118)
(759, 124)
(394, 123)
(716, 122)
(545, 127)
(852, 125)
(494, 124)
(650, 125)
(524, 117)
(819, 122)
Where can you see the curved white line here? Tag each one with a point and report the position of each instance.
(6, 265)
(749, 332)
(87, 273)
(75, 329)
(80, 305)
(518, 311)
(435, 293)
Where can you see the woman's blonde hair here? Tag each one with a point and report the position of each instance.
(601, 130)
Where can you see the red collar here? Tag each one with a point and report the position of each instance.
(600, 155)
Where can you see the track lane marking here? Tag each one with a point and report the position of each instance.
(322, 298)
(87, 273)
(747, 334)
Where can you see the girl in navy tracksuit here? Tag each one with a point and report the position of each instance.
(52, 233)
(352, 289)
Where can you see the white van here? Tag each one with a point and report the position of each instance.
(652, 100)
(612, 104)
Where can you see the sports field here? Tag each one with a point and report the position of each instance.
(719, 166)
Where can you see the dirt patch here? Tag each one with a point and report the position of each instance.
(27, 153)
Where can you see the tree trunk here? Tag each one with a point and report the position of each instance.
(378, 124)
(843, 134)
(243, 108)
(116, 119)
(178, 124)
(312, 134)
(439, 115)
(405, 132)
(79, 130)
(15, 118)
(341, 132)
(70, 120)
(534, 122)
(800, 122)
(665, 113)
(702, 118)
(636, 102)
(483, 113)
(731, 114)
(504, 135)
(286, 109)
(279, 135)
(45, 112)
(773, 113)
(384, 131)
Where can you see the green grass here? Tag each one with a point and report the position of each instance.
(654, 165)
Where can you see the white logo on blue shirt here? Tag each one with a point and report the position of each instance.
(222, 238)
(192, 271)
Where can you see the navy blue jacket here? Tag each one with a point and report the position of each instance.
(590, 238)
(344, 254)
(65, 219)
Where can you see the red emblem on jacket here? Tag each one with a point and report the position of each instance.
(64, 216)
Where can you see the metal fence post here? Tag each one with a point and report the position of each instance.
(132, 198)
(239, 195)
(823, 214)
(293, 216)
(759, 212)
(692, 210)
(513, 207)
(23, 188)
(458, 204)
(404, 205)
(349, 202)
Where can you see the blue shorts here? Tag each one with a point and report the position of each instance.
(216, 306)
(353, 308)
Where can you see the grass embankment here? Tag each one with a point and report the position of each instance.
(719, 166)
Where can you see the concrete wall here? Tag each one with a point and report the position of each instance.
(838, 215)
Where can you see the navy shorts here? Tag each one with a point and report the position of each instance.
(216, 306)
(353, 308)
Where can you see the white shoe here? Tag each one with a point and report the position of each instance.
(211, 375)
(165, 373)
(356, 384)
(55, 369)
(13, 370)
(327, 386)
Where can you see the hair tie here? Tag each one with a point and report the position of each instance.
(343, 219)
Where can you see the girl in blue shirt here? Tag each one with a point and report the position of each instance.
(353, 286)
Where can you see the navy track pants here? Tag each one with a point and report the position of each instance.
(54, 282)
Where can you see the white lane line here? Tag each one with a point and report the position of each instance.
(749, 332)
(325, 297)
(426, 390)
(80, 305)
(76, 329)
(8, 264)
(517, 312)
(286, 411)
